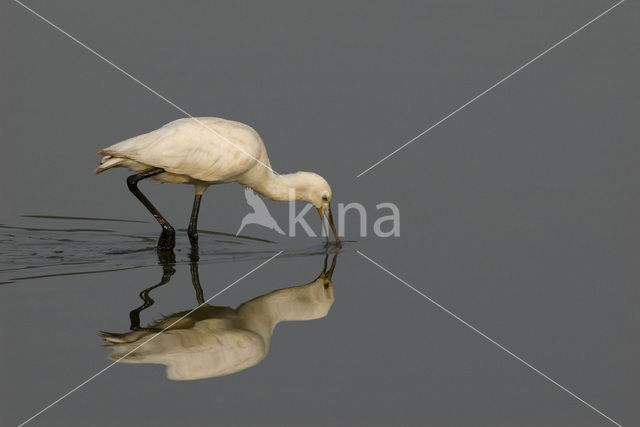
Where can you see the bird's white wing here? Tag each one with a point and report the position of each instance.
(209, 349)
(207, 149)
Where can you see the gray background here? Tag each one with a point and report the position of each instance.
(519, 213)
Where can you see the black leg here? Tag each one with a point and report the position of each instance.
(195, 277)
(167, 272)
(168, 237)
(192, 231)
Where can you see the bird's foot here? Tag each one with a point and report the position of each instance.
(167, 240)
(193, 254)
(337, 245)
(193, 238)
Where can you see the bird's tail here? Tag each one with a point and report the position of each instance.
(111, 338)
(108, 162)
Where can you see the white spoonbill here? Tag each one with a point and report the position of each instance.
(205, 151)
(212, 341)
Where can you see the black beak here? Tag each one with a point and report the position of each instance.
(328, 273)
(331, 224)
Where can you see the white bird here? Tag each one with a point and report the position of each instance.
(214, 341)
(205, 151)
(260, 214)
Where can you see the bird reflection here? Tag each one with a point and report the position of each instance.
(213, 341)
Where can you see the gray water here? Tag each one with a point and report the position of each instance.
(518, 214)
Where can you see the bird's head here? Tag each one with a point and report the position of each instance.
(316, 190)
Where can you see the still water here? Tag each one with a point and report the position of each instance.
(519, 214)
(312, 337)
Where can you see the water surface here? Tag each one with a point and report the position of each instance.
(519, 213)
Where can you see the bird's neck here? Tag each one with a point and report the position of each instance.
(265, 312)
(284, 188)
